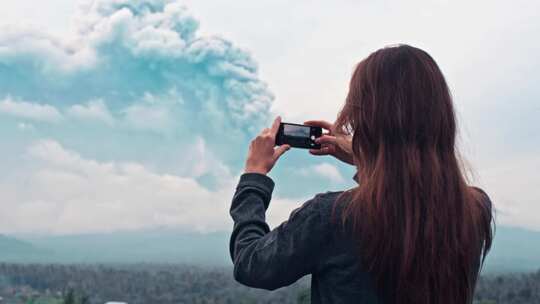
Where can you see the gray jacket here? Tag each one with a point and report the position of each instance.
(309, 242)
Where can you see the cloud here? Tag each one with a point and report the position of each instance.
(150, 117)
(203, 162)
(507, 194)
(156, 116)
(135, 80)
(25, 126)
(65, 193)
(329, 171)
(123, 50)
(138, 65)
(30, 110)
(95, 110)
(324, 170)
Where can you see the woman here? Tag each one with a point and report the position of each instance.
(411, 231)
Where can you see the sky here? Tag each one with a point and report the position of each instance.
(122, 115)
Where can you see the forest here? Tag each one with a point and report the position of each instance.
(163, 283)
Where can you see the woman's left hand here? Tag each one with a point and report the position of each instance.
(262, 155)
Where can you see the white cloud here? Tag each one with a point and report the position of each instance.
(150, 117)
(64, 192)
(324, 170)
(25, 126)
(138, 66)
(198, 161)
(516, 197)
(329, 171)
(95, 110)
(120, 50)
(30, 110)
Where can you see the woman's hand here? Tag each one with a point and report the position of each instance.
(339, 146)
(262, 155)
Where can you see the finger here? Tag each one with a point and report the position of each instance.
(319, 123)
(321, 151)
(265, 131)
(318, 152)
(326, 139)
(275, 126)
(280, 150)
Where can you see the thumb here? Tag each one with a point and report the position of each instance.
(280, 150)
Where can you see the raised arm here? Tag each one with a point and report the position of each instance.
(273, 259)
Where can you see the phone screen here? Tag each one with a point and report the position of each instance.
(296, 131)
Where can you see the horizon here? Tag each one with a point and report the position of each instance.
(515, 250)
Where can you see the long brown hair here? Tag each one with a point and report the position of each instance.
(423, 232)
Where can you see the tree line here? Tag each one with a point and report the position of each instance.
(151, 283)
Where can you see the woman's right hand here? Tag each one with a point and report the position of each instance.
(339, 146)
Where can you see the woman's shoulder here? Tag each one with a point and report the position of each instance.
(328, 196)
(326, 205)
(485, 210)
(479, 190)
(481, 197)
(326, 199)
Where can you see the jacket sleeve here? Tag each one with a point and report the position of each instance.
(272, 259)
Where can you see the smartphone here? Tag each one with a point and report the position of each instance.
(298, 136)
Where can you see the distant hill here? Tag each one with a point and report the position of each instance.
(152, 246)
(12, 249)
(514, 249)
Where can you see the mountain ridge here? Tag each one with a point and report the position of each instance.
(514, 249)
